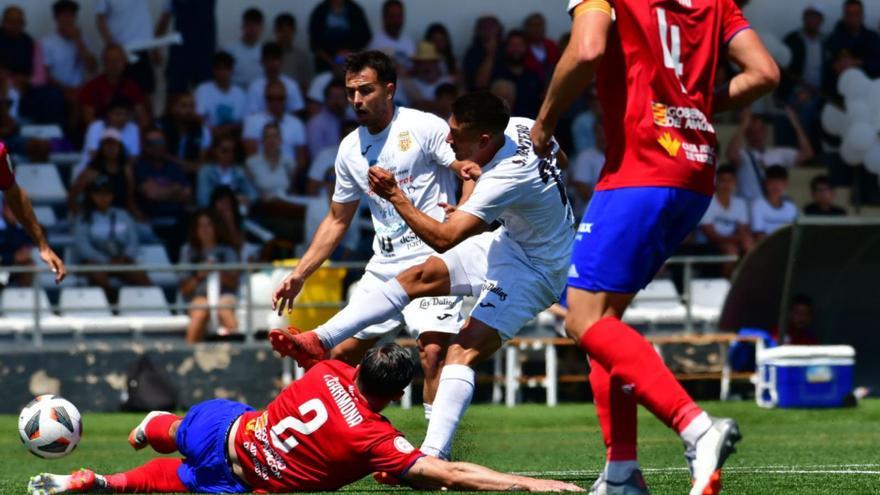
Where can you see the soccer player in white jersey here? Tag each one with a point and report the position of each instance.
(516, 270)
(411, 144)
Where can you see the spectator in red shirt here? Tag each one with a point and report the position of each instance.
(97, 94)
(543, 52)
(800, 319)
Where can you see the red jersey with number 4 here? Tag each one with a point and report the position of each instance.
(7, 172)
(656, 83)
(319, 435)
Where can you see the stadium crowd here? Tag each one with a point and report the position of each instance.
(239, 161)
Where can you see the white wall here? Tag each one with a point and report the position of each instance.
(778, 16)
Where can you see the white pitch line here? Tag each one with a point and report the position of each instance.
(808, 469)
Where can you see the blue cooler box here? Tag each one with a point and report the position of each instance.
(804, 376)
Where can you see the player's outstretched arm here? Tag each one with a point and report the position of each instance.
(759, 76)
(589, 34)
(432, 473)
(21, 207)
(441, 237)
(327, 237)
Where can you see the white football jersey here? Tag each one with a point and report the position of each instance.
(527, 195)
(413, 147)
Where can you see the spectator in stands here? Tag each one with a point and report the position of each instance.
(187, 139)
(110, 85)
(583, 122)
(504, 89)
(106, 235)
(322, 129)
(271, 60)
(336, 25)
(484, 50)
(823, 198)
(773, 210)
(221, 104)
(390, 39)
(123, 22)
(247, 50)
(439, 36)
(322, 171)
(113, 163)
(512, 66)
(117, 116)
(229, 217)
(320, 82)
(427, 76)
(800, 323)
(725, 224)
(17, 46)
(543, 54)
(295, 62)
(444, 96)
(801, 85)
(270, 171)
(293, 132)
(16, 248)
(224, 171)
(585, 170)
(163, 191)
(851, 44)
(207, 245)
(67, 58)
(189, 63)
(749, 152)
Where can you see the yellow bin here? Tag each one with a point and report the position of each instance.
(323, 288)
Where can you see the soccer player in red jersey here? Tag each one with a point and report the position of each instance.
(655, 63)
(321, 433)
(21, 207)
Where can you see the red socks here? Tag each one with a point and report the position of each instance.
(157, 433)
(156, 476)
(617, 414)
(633, 363)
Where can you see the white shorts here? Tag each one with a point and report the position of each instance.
(511, 290)
(425, 314)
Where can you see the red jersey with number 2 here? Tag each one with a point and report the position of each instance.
(319, 435)
(656, 83)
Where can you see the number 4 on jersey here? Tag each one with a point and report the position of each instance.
(671, 46)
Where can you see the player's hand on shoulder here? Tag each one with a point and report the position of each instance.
(541, 138)
(286, 292)
(382, 182)
(470, 171)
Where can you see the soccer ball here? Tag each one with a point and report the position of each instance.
(50, 427)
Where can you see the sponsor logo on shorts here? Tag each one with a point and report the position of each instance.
(493, 288)
(585, 228)
(444, 316)
(403, 446)
(427, 302)
(573, 272)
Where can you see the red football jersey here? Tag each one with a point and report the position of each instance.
(318, 435)
(656, 83)
(7, 172)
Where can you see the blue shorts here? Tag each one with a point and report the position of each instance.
(201, 438)
(627, 234)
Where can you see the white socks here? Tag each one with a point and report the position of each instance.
(454, 394)
(365, 309)
(619, 471)
(428, 409)
(695, 429)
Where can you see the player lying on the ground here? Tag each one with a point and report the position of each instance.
(517, 270)
(654, 63)
(321, 433)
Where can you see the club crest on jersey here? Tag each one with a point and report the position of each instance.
(403, 446)
(404, 141)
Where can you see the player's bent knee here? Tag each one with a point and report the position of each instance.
(430, 278)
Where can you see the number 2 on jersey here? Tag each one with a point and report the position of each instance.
(291, 423)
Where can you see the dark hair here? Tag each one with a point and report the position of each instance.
(218, 194)
(253, 15)
(192, 236)
(802, 299)
(777, 172)
(270, 125)
(271, 50)
(118, 102)
(850, 3)
(819, 180)
(385, 371)
(446, 89)
(391, 3)
(223, 59)
(285, 19)
(534, 15)
(482, 111)
(726, 169)
(516, 33)
(448, 55)
(64, 7)
(386, 72)
(335, 83)
(763, 117)
(101, 183)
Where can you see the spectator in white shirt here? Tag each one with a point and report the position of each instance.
(725, 224)
(293, 132)
(67, 58)
(220, 103)
(322, 172)
(246, 51)
(773, 211)
(586, 170)
(749, 152)
(123, 22)
(427, 76)
(271, 58)
(119, 118)
(391, 39)
(273, 176)
(323, 127)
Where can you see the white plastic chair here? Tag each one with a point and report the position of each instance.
(18, 312)
(708, 296)
(155, 254)
(262, 285)
(147, 310)
(88, 310)
(659, 302)
(42, 182)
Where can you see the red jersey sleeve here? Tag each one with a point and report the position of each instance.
(7, 171)
(392, 453)
(733, 21)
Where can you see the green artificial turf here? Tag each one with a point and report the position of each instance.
(783, 451)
